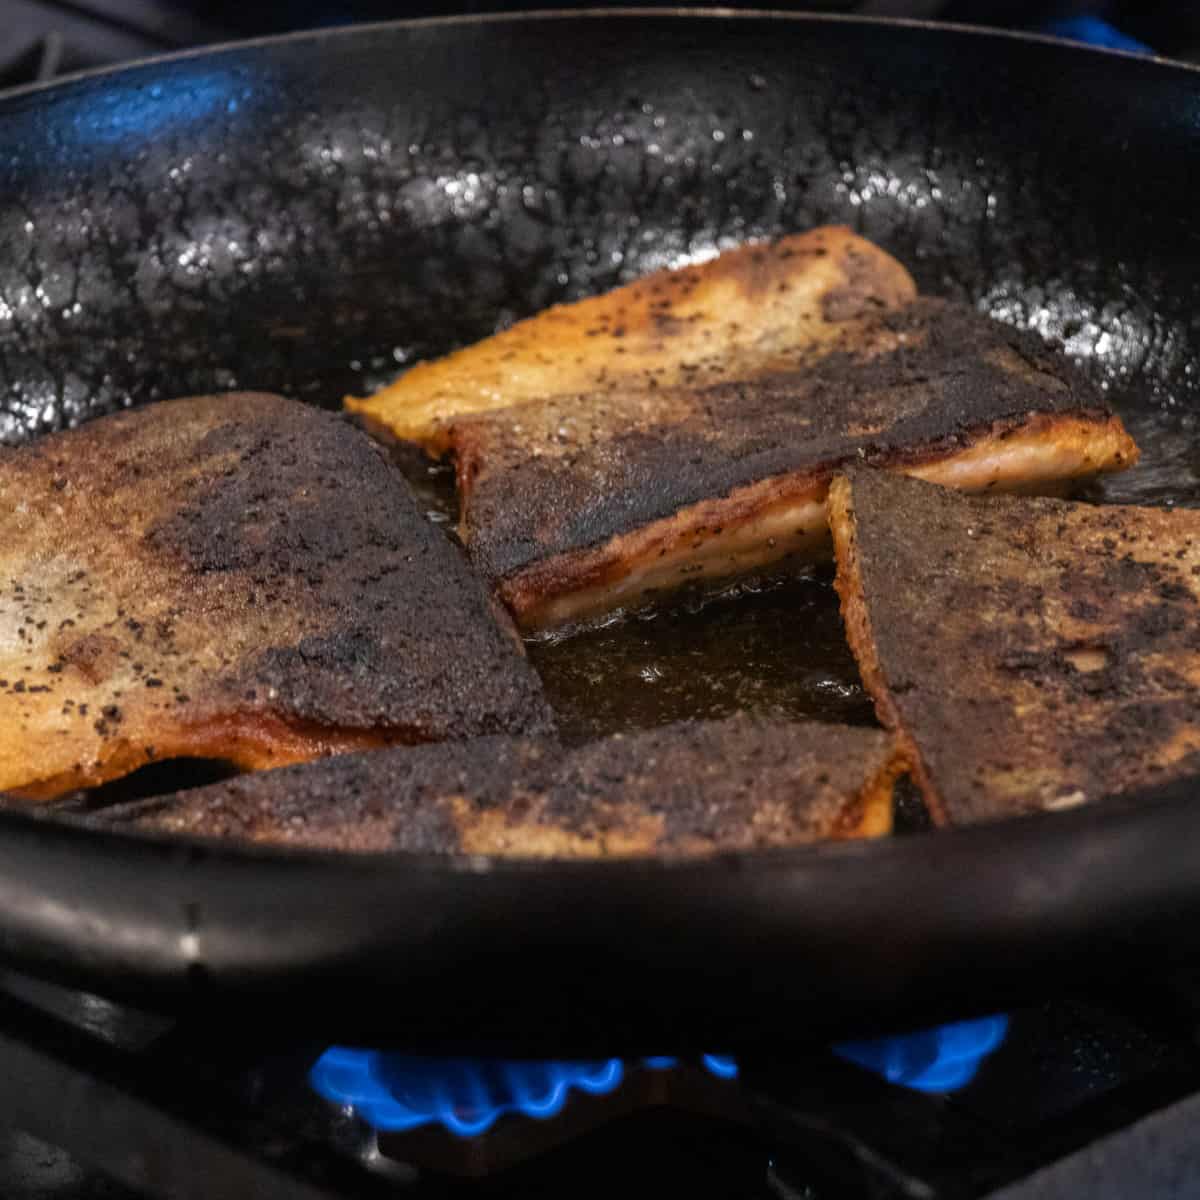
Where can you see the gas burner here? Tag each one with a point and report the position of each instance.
(940, 1060)
(469, 1116)
(953, 1113)
(475, 1117)
(478, 1116)
(1095, 1095)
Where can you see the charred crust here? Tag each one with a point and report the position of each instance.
(557, 477)
(244, 556)
(693, 787)
(1030, 653)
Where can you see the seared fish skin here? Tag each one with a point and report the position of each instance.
(692, 788)
(238, 577)
(1031, 653)
(729, 318)
(575, 505)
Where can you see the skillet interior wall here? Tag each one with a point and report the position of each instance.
(309, 216)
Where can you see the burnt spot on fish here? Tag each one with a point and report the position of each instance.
(254, 580)
(1028, 649)
(547, 481)
(690, 788)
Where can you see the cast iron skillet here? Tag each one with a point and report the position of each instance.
(303, 214)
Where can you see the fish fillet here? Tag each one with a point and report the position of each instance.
(1031, 653)
(690, 788)
(573, 506)
(747, 310)
(237, 577)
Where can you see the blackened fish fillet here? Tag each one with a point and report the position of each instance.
(690, 788)
(1032, 653)
(575, 505)
(237, 577)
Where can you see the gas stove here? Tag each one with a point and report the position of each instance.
(1079, 1095)
(1094, 1095)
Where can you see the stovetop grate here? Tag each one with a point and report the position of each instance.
(1080, 1086)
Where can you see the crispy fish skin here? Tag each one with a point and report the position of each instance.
(747, 310)
(238, 577)
(573, 506)
(1030, 653)
(692, 788)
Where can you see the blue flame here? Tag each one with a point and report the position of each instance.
(721, 1066)
(935, 1060)
(1095, 32)
(398, 1092)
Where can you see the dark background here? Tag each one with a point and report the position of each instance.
(40, 38)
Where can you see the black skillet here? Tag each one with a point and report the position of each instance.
(304, 214)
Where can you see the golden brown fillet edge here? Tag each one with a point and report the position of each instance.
(866, 815)
(875, 804)
(857, 622)
(254, 742)
(785, 516)
(728, 318)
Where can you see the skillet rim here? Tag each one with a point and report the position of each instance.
(598, 12)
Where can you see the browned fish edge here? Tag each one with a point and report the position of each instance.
(857, 621)
(534, 798)
(653, 310)
(248, 741)
(871, 814)
(533, 594)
